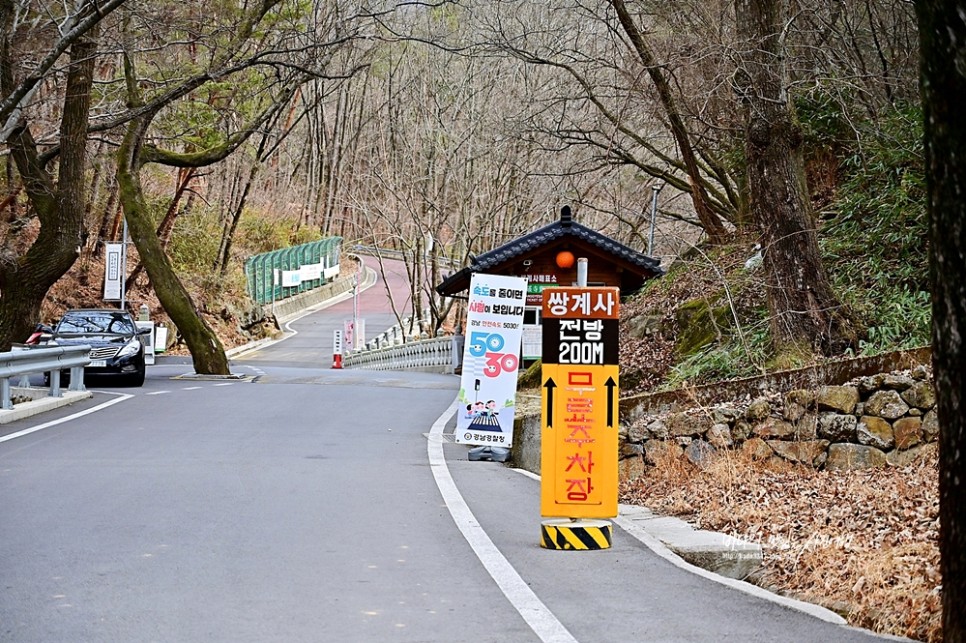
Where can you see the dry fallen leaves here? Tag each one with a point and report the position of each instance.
(862, 543)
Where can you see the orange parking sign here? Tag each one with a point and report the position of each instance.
(580, 378)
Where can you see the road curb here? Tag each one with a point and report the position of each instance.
(632, 519)
(42, 404)
(716, 552)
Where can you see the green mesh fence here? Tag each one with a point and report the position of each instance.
(284, 273)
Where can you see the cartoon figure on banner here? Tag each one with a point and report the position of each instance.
(483, 415)
(486, 419)
(475, 410)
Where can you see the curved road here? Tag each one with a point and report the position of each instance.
(310, 504)
(383, 295)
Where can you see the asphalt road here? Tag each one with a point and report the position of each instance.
(381, 301)
(310, 504)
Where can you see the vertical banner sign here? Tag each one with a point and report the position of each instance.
(113, 271)
(491, 357)
(579, 378)
(348, 335)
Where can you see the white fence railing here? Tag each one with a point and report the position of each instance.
(21, 363)
(438, 355)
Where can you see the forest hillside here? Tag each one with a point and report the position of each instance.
(778, 157)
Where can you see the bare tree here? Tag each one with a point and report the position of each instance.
(56, 195)
(623, 100)
(710, 220)
(274, 80)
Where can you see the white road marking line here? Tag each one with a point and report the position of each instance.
(540, 619)
(191, 388)
(47, 425)
(158, 393)
(225, 384)
(529, 474)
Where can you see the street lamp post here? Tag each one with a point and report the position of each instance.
(355, 300)
(650, 238)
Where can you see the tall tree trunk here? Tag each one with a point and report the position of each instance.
(804, 311)
(942, 34)
(207, 352)
(59, 206)
(710, 221)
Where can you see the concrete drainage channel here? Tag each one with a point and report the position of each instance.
(719, 553)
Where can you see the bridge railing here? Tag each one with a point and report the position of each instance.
(437, 355)
(26, 361)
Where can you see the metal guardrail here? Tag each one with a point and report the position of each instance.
(23, 362)
(429, 354)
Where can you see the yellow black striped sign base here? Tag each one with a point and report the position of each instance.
(575, 534)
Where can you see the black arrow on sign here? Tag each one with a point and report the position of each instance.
(611, 385)
(550, 386)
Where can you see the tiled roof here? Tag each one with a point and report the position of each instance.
(556, 230)
(529, 243)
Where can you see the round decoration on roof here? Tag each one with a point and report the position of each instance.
(565, 259)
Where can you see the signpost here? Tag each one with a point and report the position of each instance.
(337, 349)
(579, 416)
(114, 271)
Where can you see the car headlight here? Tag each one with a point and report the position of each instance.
(131, 348)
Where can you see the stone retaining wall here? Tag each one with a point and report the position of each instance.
(871, 421)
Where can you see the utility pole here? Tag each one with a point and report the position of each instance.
(650, 238)
(355, 300)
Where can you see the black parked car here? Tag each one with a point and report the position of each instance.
(115, 340)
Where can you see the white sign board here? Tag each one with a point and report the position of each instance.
(337, 342)
(160, 339)
(532, 341)
(491, 357)
(148, 341)
(291, 278)
(113, 271)
(311, 271)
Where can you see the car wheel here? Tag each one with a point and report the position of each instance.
(137, 379)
